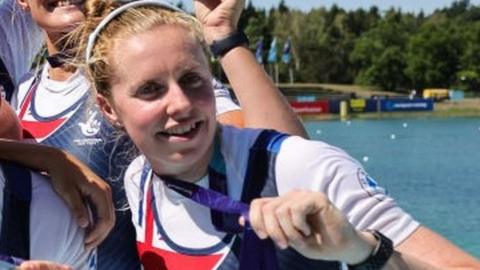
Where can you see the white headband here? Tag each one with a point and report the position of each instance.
(93, 36)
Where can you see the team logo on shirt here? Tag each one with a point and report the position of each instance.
(370, 185)
(92, 126)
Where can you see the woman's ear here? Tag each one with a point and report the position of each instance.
(23, 4)
(108, 111)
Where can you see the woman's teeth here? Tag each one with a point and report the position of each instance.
(180, 130)
(64, 3)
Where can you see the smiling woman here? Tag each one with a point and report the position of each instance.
(166, 104)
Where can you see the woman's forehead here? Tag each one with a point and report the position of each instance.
(158, 48)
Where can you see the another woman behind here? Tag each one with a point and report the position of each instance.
(21, 40)
(18, 33)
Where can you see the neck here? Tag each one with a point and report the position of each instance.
(195, 172)
(192, 173)
(63, 72)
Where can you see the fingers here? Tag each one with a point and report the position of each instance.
(298, 215)
(219, 18)
(42, 265)
(292, 232)
(306, 221)
(285, 219)
(256, 217)
(279, 219)
(209, 4)
(100, 196)
(272, 223)
(75, 182)
(98, 233)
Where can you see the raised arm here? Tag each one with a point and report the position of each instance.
(263, 104)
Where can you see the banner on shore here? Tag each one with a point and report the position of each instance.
(310, 107)
(406, 105)
(363, 105)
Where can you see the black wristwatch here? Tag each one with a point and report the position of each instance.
(220, 47)
(379, 257)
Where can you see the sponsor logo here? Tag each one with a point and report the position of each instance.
(92, 126)
(86, 142)
(370, 185)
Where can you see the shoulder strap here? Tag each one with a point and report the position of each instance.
(17, 194)
(261, 165)
(260, 181)
(6, 82)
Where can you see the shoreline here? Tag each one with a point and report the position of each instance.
(449, 108)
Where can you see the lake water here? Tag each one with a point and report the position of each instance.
(430, 166)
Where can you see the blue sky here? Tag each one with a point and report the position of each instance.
(406, 5)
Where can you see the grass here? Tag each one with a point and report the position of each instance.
(360, 91)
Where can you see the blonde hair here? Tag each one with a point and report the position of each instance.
(130, 22)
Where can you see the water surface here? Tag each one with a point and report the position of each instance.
(430, 166)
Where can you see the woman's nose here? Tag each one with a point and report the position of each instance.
(179, 103)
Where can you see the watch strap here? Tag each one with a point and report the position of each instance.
(220, 47)
(382, 253)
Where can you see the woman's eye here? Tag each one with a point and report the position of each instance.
(192, 80)
(150, 90)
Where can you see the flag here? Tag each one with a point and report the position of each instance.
(259, 51)
(286, 56)
(272, 53)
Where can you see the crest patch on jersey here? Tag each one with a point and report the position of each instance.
(370, 185)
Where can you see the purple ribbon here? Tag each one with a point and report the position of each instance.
(255, 253)
(14, 261)
(208, 197)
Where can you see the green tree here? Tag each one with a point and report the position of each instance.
(433, 57)
(468, 77)
(379, 53)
